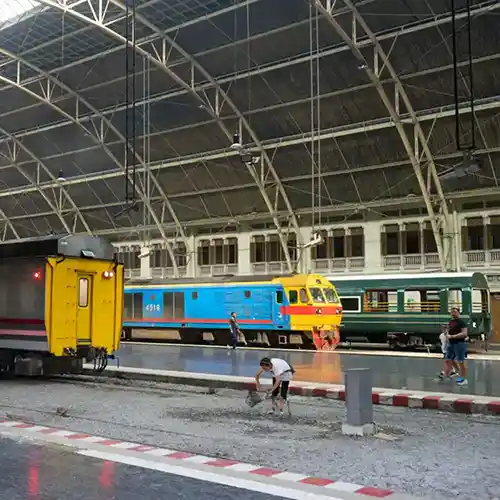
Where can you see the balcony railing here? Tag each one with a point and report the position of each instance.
(132, 273)
(481, 258)
(269, 268)
(354, 264)
(167, 272)
(416, 262)
(217, 269)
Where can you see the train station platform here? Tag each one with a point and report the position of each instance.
(391, 370)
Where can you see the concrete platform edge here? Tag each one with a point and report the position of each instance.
(336, 489)
(459, 403)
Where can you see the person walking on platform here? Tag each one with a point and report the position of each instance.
(282, 373)
(234, 328)
(457, 346)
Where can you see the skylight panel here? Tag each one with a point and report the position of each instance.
(12, 9)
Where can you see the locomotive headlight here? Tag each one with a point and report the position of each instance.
(108, 274)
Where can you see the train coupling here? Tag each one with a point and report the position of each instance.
(69, 351)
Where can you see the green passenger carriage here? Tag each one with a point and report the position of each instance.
(411, 309)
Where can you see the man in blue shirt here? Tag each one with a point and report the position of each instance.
(457, 346)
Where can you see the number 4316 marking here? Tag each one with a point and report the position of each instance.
(153, 307)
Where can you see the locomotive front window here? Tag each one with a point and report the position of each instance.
(331, 296)
(316, 295)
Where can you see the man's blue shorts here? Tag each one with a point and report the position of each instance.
(456, 352)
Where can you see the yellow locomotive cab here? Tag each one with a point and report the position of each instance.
(314, 305)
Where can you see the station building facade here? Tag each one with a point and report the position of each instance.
(401, 244)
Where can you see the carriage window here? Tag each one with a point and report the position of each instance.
(316, 295)
(455, 299)
(431, 301)
(485, 300)
(381, 300)
(247, 294)
(477, 302)
(293, 296)
(83, 300)
(350, 304)
(279, 297)
(194, 295)
(303, 296)
(412, 301)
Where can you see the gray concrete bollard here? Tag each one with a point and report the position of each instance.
(359, 405)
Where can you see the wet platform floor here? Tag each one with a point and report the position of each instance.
(413, 371)
(50, 472)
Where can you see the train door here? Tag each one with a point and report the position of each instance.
(84, 308)
(277, 300)
(495, 317)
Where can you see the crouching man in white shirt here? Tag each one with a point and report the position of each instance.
(282, 373)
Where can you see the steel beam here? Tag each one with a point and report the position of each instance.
(489, 104)
(338, 209)
(399, 32)
(419, 152)
(160, 59)
(344, 209)
(97, 130)
(228, 79)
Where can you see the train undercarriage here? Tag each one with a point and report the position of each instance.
(38, 363)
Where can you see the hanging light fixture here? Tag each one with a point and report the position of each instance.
(60, 177)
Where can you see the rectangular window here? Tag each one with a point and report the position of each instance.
(83, 297)
(168, 305)
(128, 306)
(179, 305)
(381, 301)
(304, 298)
(247, 294)
(137, 305)
(412, 301)
(194, 295)
(477, 305)
(431, 301)
(350, 304)
(455, 299)
(293, 296)
(279, 297)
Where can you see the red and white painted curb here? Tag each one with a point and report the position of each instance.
(461, 403)
(190, 458)
(409, 399)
